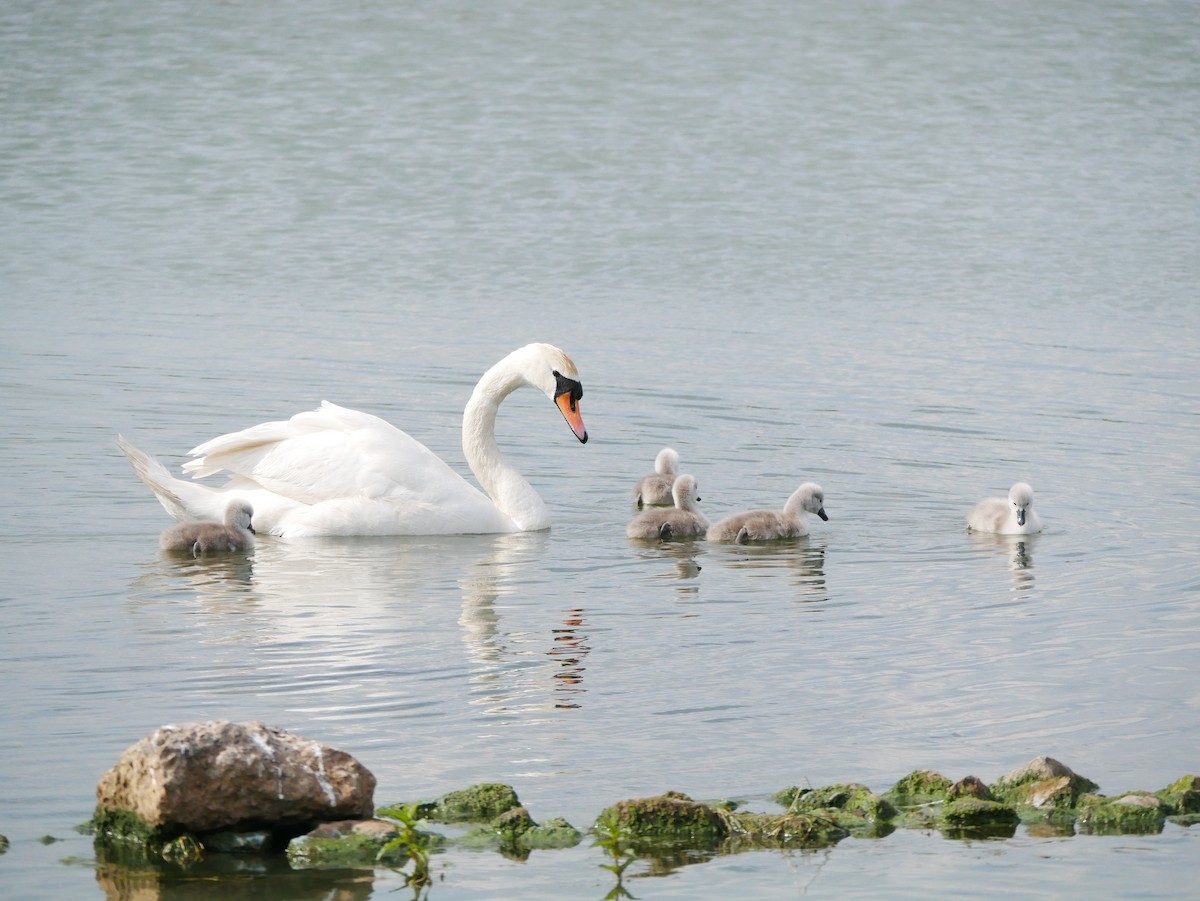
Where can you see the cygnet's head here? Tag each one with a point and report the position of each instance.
(684, 491)
(1021, 498)
(809, 497)
(239, 514)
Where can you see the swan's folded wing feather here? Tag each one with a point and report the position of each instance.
(329, 453)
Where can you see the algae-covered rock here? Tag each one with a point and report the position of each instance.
(969, 787)
(1136, 813)
(848, 801)
(480, 803)
(552, 833)
(3, 843)
(353, 843)
(672, 819)
(756, 831)
(1182, 796)
(1043, 784)
(515, 832)
(968, 817)
(918, 787)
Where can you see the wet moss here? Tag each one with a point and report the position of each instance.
(478, 804)
(1182, 796)
(553, 833)
(851, 803)
(669, 820)
(125, 826)
(975, 813)
(757, 831)
(1131, 814)
(918, 787)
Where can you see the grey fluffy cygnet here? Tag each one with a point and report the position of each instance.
(235, 534)
(654, 490)
(769, 525)
(1012, 515)
(684, 520)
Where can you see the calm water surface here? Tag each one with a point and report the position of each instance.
(912, 251)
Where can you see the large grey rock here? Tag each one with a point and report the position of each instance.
(203, 777)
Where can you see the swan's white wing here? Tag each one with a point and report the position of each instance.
(330, 453)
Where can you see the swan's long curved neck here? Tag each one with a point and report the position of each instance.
(509, 490)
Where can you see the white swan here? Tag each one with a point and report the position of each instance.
(334, 471)
(684, 520)
(235, 534)
(1013, 515)
(655, 489)
(768, 525)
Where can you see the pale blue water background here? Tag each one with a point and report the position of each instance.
(913, 251)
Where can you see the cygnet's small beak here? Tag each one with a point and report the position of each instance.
(569, 407)
(824, 516)
(1020, 516)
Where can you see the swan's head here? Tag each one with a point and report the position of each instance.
(1021, 498)
(550, 369)
(809, 497)
(667, 462)
(238, 515)
(684, 491)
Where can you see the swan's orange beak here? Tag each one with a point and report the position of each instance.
(569, 406)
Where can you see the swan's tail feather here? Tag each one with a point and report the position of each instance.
(157, 479)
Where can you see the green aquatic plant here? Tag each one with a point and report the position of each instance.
(615, 838)
(410, 842)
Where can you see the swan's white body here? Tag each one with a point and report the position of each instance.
(684, 520)
(1012, 515)
(335, 471)
(770, 525)
(235, 534)
(654, 490)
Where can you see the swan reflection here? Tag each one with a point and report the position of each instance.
(801, 558)
(1017, 550)
(361, 623)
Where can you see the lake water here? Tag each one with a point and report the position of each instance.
(914, 251)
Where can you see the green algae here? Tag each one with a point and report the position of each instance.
(1182, 796)
(668, 820)
(1136, 813)
(477, 804)
(917, 788)
(967, 817)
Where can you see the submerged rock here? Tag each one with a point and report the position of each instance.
(220, 776)
(1136, 813)
(969, 817)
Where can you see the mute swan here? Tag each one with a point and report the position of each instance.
(334, 471)
(681, 521)
(767, 525)
(235, 534)
(655, 489)
(1013, 515)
